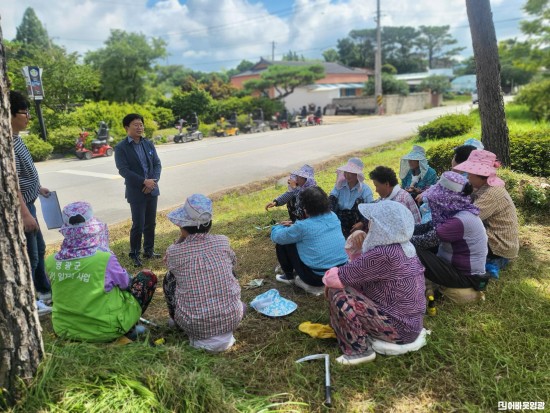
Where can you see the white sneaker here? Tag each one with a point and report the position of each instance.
(282, 278)
(365, 357)
(46, 298)
(43, 309)
(309, 288)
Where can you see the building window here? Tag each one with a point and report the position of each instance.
(348, 92)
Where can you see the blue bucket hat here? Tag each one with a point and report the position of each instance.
(272, 304)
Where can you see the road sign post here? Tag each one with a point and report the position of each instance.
(33, 79)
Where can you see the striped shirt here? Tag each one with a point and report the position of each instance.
(394, 282)
(29, 182)
(403, 197)
(498, 213)
(208, 296)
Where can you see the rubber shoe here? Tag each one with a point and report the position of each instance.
(43, 309)
(354, 359)
(282, 278)
(46, 298)
(309, 288)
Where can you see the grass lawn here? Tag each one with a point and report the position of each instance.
(476, 356)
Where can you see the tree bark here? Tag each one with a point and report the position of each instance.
(494, 130)
(21, 347)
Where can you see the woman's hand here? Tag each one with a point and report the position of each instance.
(45, 192)
(270, 205)
(286, 223)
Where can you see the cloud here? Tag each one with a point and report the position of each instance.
(210, 34)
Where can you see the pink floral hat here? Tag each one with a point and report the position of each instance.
(354, 166)
(482, 163)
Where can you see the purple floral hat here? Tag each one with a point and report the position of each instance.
(196, 211)
(306, 172)
(447, 198)
(83, 238)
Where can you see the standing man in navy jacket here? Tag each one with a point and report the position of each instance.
(138, 163)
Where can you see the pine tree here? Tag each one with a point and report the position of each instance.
(31, 32)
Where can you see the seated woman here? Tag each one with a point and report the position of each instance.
(461, 154)
(298, 181)
(201, 291)
(379, 295)
(459, 234)
(349, 191)
(386, 185)
(94, 298)
(496, 208)
(415, 173)
(311, 246)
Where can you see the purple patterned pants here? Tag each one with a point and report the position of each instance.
(354, 318)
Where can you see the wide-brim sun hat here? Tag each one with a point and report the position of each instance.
(482, 163)
(196, 211)
(272, 304)
(353, 166)
(418, 153)
(305, 171)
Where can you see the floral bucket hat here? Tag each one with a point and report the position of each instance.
(354, 166)
(482, 163)
(196, 211)
(85, 235)
(272, 304)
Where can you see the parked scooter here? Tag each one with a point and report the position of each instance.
(192, 130)
(100, 147)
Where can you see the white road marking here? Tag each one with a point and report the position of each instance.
(94, 174)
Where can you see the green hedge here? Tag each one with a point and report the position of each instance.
(528, 152)
(535, 95)
(40, 150)
(63, 139)
(446, 126)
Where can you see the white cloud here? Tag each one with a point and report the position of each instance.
(209, 34)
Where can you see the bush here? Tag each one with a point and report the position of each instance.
(63, 139)
(535, 95)
(528, 152)
(40, 150)
(530, 194)
(390, 86)
(163, 116)
(445, 126)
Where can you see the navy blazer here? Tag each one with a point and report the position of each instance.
(130, 168)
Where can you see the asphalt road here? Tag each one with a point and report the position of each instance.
(215, 164)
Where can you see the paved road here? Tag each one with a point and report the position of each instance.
(215, 164)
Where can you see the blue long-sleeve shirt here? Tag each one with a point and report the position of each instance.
(318, 239)
(346, 197)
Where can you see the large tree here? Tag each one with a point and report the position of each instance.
(398, 49)
(357, 50)
(31, 32)
(494, 130)
(285, 79)
(124, 63)
(21, 346)
(434, 41)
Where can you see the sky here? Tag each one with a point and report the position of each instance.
(214, 35)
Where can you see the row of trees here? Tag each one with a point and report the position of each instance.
(406, 48)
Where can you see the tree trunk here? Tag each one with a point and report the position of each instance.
(21, 346)
(494, 130)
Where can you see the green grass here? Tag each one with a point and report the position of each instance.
(476, 356)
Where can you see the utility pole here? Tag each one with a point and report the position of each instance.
(272, 51)
(378, 63)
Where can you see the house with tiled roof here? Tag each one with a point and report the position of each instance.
(339, 81)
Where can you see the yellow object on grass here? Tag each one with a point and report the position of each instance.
(317, 330)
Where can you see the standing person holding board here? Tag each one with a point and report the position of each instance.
(29, 189)
(138, 163)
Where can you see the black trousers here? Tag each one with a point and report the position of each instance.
(144, 215)
(443, 273)
(290, 261)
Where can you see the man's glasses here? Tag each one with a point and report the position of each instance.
(26, 113)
